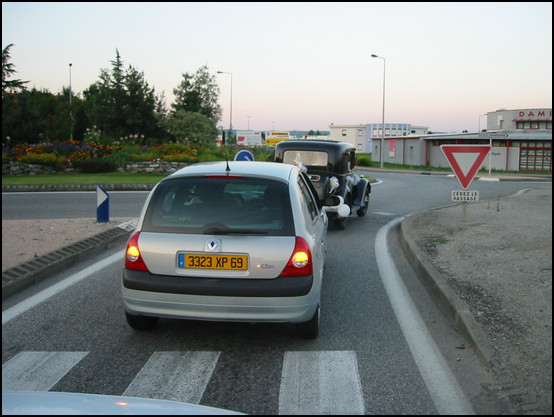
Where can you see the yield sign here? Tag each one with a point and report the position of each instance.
(465, 160)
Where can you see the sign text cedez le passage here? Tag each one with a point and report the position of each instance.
(465, 195)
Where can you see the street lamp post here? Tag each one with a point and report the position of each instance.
(479, 128)
(231, 108)
(383, 121)
(70, 114)
(249, 121)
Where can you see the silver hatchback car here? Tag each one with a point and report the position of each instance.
(236, 241)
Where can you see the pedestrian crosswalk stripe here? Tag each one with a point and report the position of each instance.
(324, 382)
(312, 382)
(38, 371)
(176, 376)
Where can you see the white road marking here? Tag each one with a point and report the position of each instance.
(37, 371)
(441, 383)
(175, 376)
(320, 383)
(44, 295)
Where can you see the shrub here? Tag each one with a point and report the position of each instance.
(263, 156)
(175, 148)
(180, 157)
(95, 165)
(209, 157)
(363, 161)
(121, 157)
(47, 159)
(143, 156)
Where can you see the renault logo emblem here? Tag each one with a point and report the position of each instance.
(212, 245)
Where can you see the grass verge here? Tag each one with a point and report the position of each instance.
(85, 179)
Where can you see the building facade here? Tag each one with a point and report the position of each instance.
(354, 134)
(361, 135)
(521, 140)
(528, 119)
(511, 150)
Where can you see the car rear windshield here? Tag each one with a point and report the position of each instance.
(204, 205)
(308, 158)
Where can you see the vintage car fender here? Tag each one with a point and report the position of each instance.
(362, 185)
(352, 182)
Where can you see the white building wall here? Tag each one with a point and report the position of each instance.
(437, 158)
(513, 159)
(497, 158)
(353, 134)
(419, 130)
(361, 135)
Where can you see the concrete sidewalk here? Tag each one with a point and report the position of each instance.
(489, 267)
(25, 274)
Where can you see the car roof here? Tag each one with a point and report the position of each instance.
(269, 170)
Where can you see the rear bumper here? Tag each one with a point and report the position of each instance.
(263, 300)
(230, 287)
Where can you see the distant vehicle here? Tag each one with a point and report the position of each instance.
(236, 241)
(331, 168)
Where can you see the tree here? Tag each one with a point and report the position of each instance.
(106, 100)
(198, 93)
(123, 103)
(36, 116)
(192, 128)
(21, 122)
(53, 112)
(9, 86)
(140, 104)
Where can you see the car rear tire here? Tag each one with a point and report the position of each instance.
(309, 329)
(365, 204)
(341, 222)
(141, 322)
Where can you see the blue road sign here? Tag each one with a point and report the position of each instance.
(244, 155)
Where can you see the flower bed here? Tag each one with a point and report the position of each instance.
(71, 156)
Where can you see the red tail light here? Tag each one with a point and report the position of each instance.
(300, 262)
(133, 258)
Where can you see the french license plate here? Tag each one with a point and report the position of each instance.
(206, 261)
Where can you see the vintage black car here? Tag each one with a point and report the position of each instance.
(331, 168)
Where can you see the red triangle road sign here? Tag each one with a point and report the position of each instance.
(465, 160)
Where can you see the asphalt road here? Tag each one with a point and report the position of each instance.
(360, 328)
(72, 205)
(403, 194)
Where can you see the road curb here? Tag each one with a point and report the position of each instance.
(27, 273)
(455, 309)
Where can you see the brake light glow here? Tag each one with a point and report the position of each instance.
(300, 262)
(133, 258)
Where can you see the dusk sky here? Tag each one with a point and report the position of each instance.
(302, 66)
